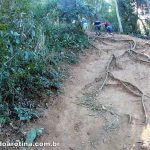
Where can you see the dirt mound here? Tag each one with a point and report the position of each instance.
(105, 103)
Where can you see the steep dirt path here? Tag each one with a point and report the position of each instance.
(88, 118)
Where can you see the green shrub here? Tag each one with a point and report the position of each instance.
(33, 48)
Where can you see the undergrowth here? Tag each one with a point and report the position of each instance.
(32, 51)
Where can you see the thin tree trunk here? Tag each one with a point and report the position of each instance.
(148, 5)
(118, 17)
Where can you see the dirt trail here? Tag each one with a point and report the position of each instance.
(87, 118)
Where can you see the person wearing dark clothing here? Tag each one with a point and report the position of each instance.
(97, 26)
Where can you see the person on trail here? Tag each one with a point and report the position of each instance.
(84, 23)
(108, 27)
(97, 26)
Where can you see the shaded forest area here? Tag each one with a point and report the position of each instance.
(37, 38)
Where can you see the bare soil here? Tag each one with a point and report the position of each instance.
(87, 117)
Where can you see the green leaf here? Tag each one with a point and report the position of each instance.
(16, 34)
(39, 131)
(2, 120)
(25, 114)
(33, 33)
(33, 134)
(17, 41)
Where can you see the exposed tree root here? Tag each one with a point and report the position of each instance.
(133, 44)
(144, 110)
(136, 56)
(118, 40)
(103, 84)
(128, 86)
(112, 58)
(135, 91)
(130, 118)
(132, 53)
(112, 62)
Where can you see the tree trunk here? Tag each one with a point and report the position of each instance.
(148, 5)
(118, 16)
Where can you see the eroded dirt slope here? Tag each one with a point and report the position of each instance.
(90, 116)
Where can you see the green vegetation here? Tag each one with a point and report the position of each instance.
(33, 45)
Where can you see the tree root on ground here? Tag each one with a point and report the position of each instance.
(112, 63)
(130, 118)
(144, 110)
(132, 53)
(135, 91)
(117, 40)
(135, 55)
(107, 70)
(127, 85)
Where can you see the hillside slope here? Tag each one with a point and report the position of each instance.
(105, 104)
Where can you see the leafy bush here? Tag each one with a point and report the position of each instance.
(33, 46)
